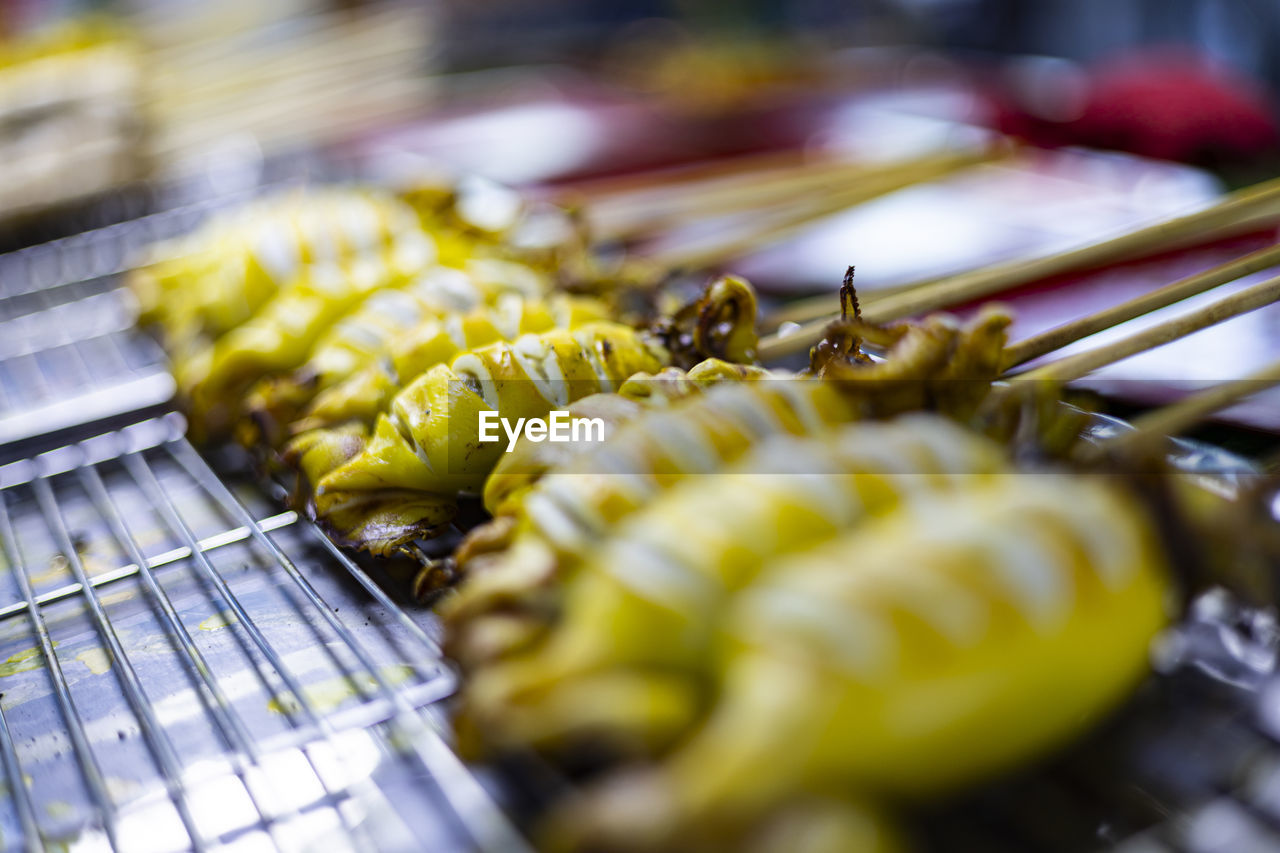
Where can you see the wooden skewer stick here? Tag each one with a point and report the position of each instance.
(1076, 366)
(699, 173)
(642, 212)
(792, 341)
(750, 174)
(1238, 213)
(1058, 337)
(1187, 412)
(1152, 429)
(775, 225)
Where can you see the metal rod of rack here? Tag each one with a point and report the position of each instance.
(100, 253)
(230, 725)
(92, 773)
(146, 479)
(155, 735)
(18, 785)
(487, 825)
(168, 558)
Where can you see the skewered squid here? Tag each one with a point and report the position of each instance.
(214, 378)
(426, 448)
(519, 560)
(640, 612)
(516, 562)
(402, 331)
(210, 281)
(379, 487)
(526, 463)
(346, 391)
(914, 654)
(924, 363)
(722, 322)
(347, 298)
(338, 424)
(935, 363)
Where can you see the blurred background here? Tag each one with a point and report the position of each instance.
(1185, 80)
(690, 133)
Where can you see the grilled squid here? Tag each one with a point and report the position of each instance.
(643, 606)
(935, 364)
(380, 485)
(721, 323)
(958, 354)
(914, 654)
(401, 332)
(279, 335)
(427, 446)
(367, 390)
(526, 463)
(208, 282)
(519, 561)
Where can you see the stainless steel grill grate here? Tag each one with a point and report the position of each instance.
(183, 665)
(184, 669)
(69, 352)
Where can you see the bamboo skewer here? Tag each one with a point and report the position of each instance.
(1076, 366)
(1238, 213)
(1068, 333)
(1187, 412)
(744, 173)
(700, 173)
(619, 208)
(1041, 344)
(1060, 336)
(778, 224)
(1152, 429)
(643, 212)
(211, 87)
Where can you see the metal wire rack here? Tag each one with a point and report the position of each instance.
(69, 351)
(184, 669)
(182, 665)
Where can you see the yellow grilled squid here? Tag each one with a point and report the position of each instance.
(431, 319)
(645, 602)
(210, 281)
(526, 463)
(916, 654)
(367, 391)
(280, 335)
(566, 511)
(515, 564)
(428, 443)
